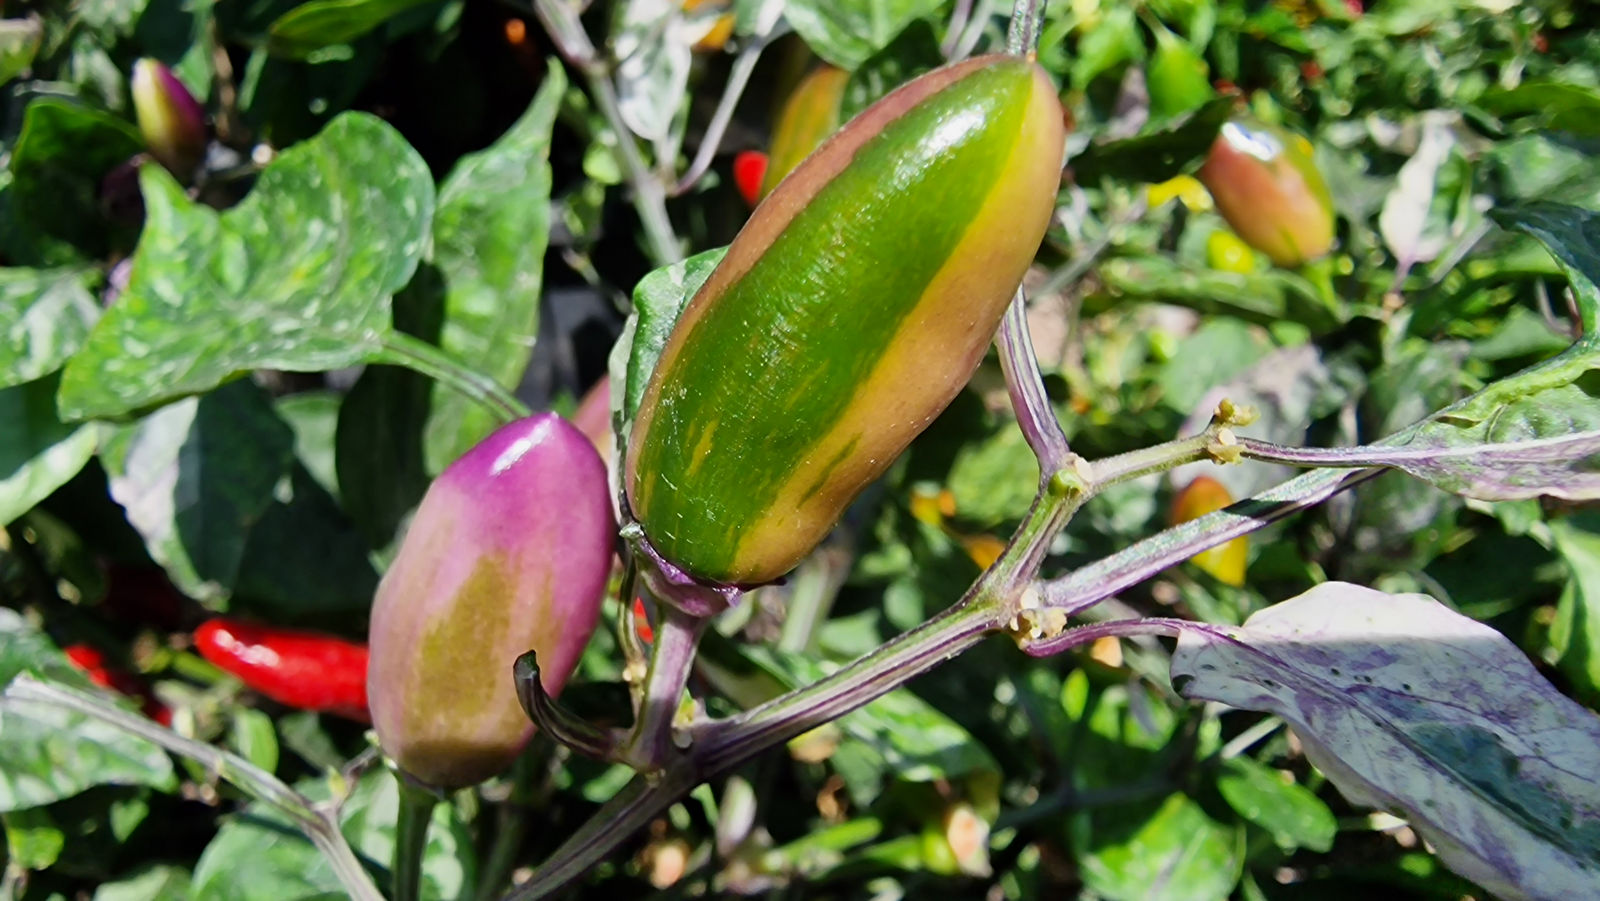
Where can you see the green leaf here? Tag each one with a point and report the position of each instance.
(1575, 634)
(1220, 350)
(60, 157)
(1114, 39)
(38, 453)
(33, 840)
(322, 23)
(490, 234)
(1260, 297)
(19, 43)
(848, 32)
(1169, 850)
(314, 416)
(305, 561)
(48, 753)
(296, 277)
(260, 856)
(252, 736)
(44, 316)
(195, 477)
(152, 883)
(1291, 813)
(657, 300)
(915, 51)
(378, 449)
(994, 480)
(1555, 105)
(1573, 238)
(1165, 149)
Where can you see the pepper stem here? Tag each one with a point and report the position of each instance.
(411, 836)
(1027, 21)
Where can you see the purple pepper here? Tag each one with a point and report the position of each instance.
(172, 123)
(510, 550)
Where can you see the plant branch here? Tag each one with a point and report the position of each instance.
(1035, 416)
(411, 352)
(561, 22)
(738, 78)
(1027, 20)
(320, 827)
(1141, 560)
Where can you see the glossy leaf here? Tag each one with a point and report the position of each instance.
(1291, 813)
(298, 276)
(1572, 235)
(489, 237)
(1163, 150)
(48, 753)
(1388, 695)
(1260, 297)
(195, 477)
(1556, 105)
(1178, 853)
(44, 316)
(153, 883)
(309, 27)
(63, 152)
(848, 32)
(38, 452)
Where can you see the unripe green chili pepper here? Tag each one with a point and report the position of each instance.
(1267, 188)
(509, 550)
(1225, 561)
(849, 311)
(808, 117)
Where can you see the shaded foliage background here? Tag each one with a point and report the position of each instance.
(431, 169)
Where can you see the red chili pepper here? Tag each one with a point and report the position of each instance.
(749, 169)
(93, 664)
(641, 622)
(301, 669)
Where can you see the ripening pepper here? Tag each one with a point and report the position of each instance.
(809, 115)
(1204, 495)
(94, 665)
(847, 314)
(1270, 192)
(305, 670)
(509, 550)
(749, 170)
(172, 123)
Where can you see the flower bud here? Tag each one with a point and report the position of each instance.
(509, 550)
(1226, 562)
(172, 123)
(1267, 188)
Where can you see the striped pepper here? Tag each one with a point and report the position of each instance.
(847, 314)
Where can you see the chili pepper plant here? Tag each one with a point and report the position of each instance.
(799, 448)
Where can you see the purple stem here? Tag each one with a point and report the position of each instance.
(556, 721)
(1139, 561)
(1035, 416)
(649, 746)
(1117, 628)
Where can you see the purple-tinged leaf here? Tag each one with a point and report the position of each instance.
(1563, 466)
(1411, 707)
